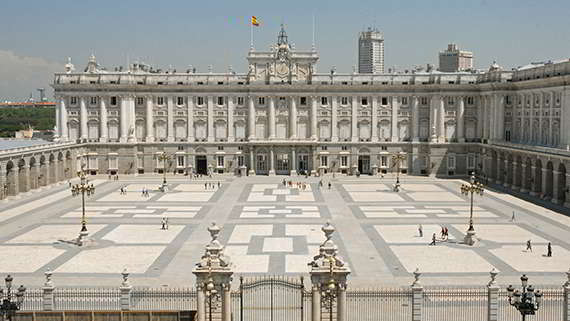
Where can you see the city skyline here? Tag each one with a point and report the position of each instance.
(164, 36)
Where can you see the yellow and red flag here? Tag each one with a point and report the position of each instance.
(254, 21)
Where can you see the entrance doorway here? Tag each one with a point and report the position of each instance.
(201, 165)
(303, 163)
(364, 164)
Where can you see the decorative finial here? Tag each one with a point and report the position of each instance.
(493, 274)
(125, 275)
(328, 229)
(417, 275)
(214, 231)
(48, 275)
(567, 284)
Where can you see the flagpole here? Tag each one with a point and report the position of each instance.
(251, 36)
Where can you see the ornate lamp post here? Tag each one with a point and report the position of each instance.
(466, 189)
(328, 290)
(8, 308)
(526, 301)
(82, 188)
(163, 157)
(396, 160)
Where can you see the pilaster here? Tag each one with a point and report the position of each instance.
(543, 186)
(415, 119)
(354, 119)
(149, 119)
(170, 118)
(271, 118)
(83, 118)
(64, 132)
(395, 110)
(441, 120)
(375, 119)
(334, 119)
(104, 132)
(314, 134)
(231, 118)
(251, 118)
(124, 119)
(271, 161)
(293, 118)
(460, 119)
(211, 136)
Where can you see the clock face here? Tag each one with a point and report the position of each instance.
(282, 69)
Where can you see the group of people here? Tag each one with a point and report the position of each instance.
(114, 177)
(145, 192)
(123, 190)
(211, 185)
(300, 185)
(444, 234)
(198, 176)
(548, 248)
(321, 184)
(164, 223)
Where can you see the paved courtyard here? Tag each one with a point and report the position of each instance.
(272, 228)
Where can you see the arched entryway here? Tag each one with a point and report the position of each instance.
(262, 162)
(34, 173)
(43, 176)
(509, 169)
(518, 174)
(201, 161)
(52, 169)
(11, 186)
(364, 161)
(527, 179)
(23, 176)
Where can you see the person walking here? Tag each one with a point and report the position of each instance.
(163, 223)
(330, 185)
(421, 230)
(549, 250)
(432, 239)
(446, 233)
(528, 246)
(513, 217)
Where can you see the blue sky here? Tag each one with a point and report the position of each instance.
(36, 36)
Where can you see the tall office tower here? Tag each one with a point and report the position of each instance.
(371, 52)
(454, 60)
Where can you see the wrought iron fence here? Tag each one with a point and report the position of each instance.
(455, 304)
(33, 300)
(87, 299)
(552, 307)
(183, 299)
(379, 304)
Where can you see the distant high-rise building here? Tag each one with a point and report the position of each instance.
(371, 52)
(454, 60)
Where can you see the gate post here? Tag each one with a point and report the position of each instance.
(493, 297)
(329, 278)
(417, 297)
(213, 281)
(48, 302)
(125, 290)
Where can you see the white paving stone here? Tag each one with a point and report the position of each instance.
(26, 259)
(376, 197)
(186, 197)
(365, 187)
(297, 263)
(137, 259)
(382, 208)
(302, 197)
(277, 244)
(169, 215)
(263, 187)
(132, 196)
(467, 214)
(391, 215)
(435, 197)
(48, 234)
(313, 233)
(421, 188)
(435, 259)
(407, 233)
(143, 234)
(521, 260)
(424, 211)
(281, 192)
(243, 233)
(135, 211)
(191, 187)
(260, 197)
(504, 233)
(244, 263)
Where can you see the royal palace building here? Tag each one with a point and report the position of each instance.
(283, 117)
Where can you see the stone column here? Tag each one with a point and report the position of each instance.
(506, 172)
(64, 130)
(566, 188)
(533, 179)
(271, 118)
(293, 118)
(211, 136)
(329, 277)
(493, 297)
(34, 180)
(293, 161)
(395, 111)
(271, 162)
(485, 114)
(251, 161)
(149, 119)
(543, 186)
(231, 118)
(374, 119)
(523, 179)
(501, 117)
(213, 280)
(190, 119)
(170, 119)
(314, 134)
(500, 174)
(104, 133)
(57, 132)
(124, 120)
(479, 131)
(415, 120)
(433, 118)
(125, 290)
(3, 181)
(417, 297)
(441, 121)
(566, 286)
(83, 119)
(515, 186)
(354, 119)
(461, 120)
(48, 300)
(334, 119)
(25, 172)
(251, 118)
(555, 178)
(131, 119)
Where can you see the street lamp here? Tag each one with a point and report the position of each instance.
(466, 189)
(396, 160)
(8, 308)
(163, 157)
(328, 290)
(82, 188)
(526, 301)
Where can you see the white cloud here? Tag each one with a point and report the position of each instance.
(20, 75)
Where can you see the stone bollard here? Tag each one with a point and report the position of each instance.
(493, 297)
(566, 316)
(213, 281)
(48, 301)
(417, 296)
(125, 290)
(329, 279)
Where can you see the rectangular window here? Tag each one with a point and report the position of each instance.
(200, 101)
(180, 101)
(450, 162)
(282, 162)
(113, 162)
(324, 100)
(220, 147)
(160, 100)
(303, 101)
(113, 101)
(384, 101)
(383, 161)
(180, 147)
(404, 100)
(424, 101)
(364, 101)
(324, 147)
(220, 101)
(261, 100)
(470, 162)
(344, 101)
(73, 100)
(140, 100)
(324, 161)
(344, 161)
(450, 101)
(469, 100)
(344, 147)
(93, 101)
(240, 101)
(220, 161)
(241, 161)
(384, 147)
(180, 161)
